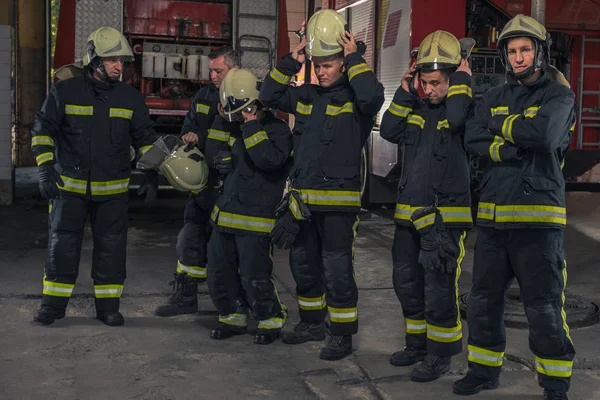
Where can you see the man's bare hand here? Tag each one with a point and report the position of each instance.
(410, 74)
(190, 137)
(348, 43)
(298, 51)
(464, 67)
(221, 111)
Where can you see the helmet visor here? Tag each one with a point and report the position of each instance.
(234, 105)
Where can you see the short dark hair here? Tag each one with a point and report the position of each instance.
(445, 72)
(228, 53)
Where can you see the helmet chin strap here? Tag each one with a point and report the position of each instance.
(523, 74)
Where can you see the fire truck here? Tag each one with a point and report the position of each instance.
(391, 28)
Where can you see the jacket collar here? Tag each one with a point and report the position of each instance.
(541, 80)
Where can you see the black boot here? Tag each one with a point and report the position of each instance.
(46, 315)
(225, 331)
(407, 356)
(431, 368)
(184, 300)
(555, 395)
(472, 385)
(336, 348)
(305, 332)
(110, 318)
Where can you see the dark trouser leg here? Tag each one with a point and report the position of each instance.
(338, 232)
(305, 262)
(444, 328)
(492, 275)
(67, 222)
(193, 238)
(539, 262)
(409, 284)
(109, 226)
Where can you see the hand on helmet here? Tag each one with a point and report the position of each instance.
(298, 52)
(250, 116)
(190, 137)
(464, 67)
(410, 77)
(348, 43)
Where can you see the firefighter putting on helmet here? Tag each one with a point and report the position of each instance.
(433, 209)
(81, 140)
(250, 148)
(332, 122)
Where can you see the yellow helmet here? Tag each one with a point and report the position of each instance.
(106, 42)
(239, 92)
(186, 169)
(439, 50)
(322, 32)
(525, 26)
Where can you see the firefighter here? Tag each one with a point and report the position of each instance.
(433, 210)
(332, 122)
(523, 128)
(252, 158)
(193, 238)
(81, 140)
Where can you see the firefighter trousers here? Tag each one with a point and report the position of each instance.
(192, 240)
(109, 222)
(231, 289)
(429, 299)
(537, 260)
(322, 262)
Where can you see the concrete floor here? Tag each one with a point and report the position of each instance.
(174, 358)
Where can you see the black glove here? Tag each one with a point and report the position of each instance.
(222, 162)
(435, 243)
(49, 178)
(149, 187)
(285, 230)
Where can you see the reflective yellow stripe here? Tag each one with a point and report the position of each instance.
(485, 357)
(304, 109)
(572, 129)
(44, 157)
(486, 211)
(311, 303)
(192, 271)
(399, 111)
(216, 134)
(75, 109)
(461, 255)
(415, 326)
(460, 89)
(330, 197)
(120, 113)
(443, 124)
(73, 185)
(335, 110)
(449, 214)
(495, 148)
(279, 77)
(404, 211)
(202, 108)
(531, 213)
(108, 291)
(214, 213)
(530, 112)
(57, 289)
(234, 319)
(444, 335)
(144, 149)
(245, 222)
(500, 110)
(357, 70)
(255, 139)
(424, 221)
(231, 141)
(416, 120)
(109, 187)
(507, 127)
(555, 368)
(42, 141)
(342, 315)
(271, 323)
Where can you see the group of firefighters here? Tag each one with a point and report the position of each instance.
(82, 136)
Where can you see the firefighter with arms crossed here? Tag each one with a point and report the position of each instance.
(253, 159)
(193, 238)
(433, 210)
(332, 122)
(81, 140)
(523, 128)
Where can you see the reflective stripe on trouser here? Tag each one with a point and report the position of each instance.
(193, 238)
(109, 225)
(328, 241)
(536, 258)
(253, 255)
(429, 299)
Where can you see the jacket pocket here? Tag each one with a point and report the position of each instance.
(301, 116)
(532, 183)
(120, 121)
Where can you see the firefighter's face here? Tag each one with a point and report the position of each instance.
(521, 53)
(328, 70)
(113, 67)
(435, 86)
(218, 70)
